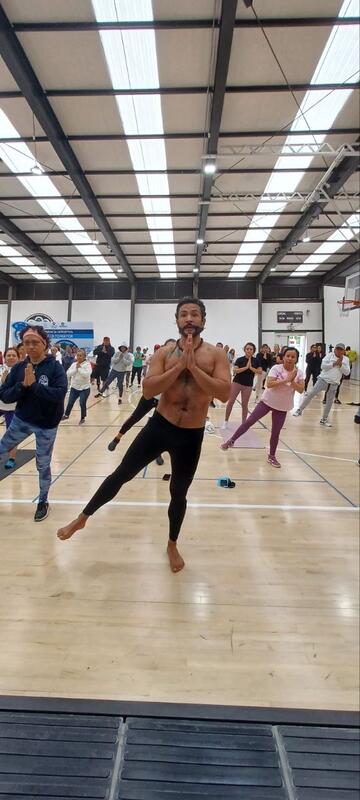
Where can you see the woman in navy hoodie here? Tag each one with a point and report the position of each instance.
(38, 386)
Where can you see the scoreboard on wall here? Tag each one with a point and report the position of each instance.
(290, 316)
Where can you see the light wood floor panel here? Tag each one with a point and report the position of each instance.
(265, 612)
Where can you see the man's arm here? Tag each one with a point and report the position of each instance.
(216, 385)
(158, 379)
(345, 367)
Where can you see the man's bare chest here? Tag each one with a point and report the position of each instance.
(205, 361)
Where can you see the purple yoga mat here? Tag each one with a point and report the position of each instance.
(249, 439)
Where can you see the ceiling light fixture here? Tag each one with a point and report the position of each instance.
(195, 269)
(209, 168)
(36, 168)
(199, 241)
(306, 238)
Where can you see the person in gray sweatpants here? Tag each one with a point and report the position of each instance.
(333, 367)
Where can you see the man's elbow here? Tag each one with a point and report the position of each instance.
(224, 393)
(148, 394)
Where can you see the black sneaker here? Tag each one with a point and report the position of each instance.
(160, 461)
(41, 512)
(112, 445)
(119, 401)
(82, 421)
(338, 402)
(98, 394)
(64, 416)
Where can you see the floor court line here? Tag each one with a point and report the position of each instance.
(159, 504)
(76, 458)
(297, 453)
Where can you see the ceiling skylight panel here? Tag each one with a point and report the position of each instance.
(19, 158)
(339, 62)
(13, 255)
(132, 63)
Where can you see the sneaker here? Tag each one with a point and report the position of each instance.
(82, 421)
(209, 427)
(64, 416)
(338, 402)
(119, 401)
(160, 461)
(41, 511)
(273, 461)
(10, 463)
(297, 413)
(324, 401)
(98, 394)
(113, 444)
(224, 425)
(325, 423)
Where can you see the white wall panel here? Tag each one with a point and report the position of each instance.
(3, 316)
(56, 309)
(109, 317)
(232, 322)
(312, 318)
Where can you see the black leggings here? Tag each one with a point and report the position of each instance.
(184, 448)
(142, 408)
(310, 373)
(136, 371)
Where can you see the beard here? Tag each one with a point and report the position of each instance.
(189, 328)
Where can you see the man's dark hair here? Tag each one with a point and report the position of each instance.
(195, 301)
(39, 329)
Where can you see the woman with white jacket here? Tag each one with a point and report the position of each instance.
(79, 375)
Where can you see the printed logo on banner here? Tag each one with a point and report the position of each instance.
(74, 334)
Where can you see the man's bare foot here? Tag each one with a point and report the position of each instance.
(176, 562)
(68, 530)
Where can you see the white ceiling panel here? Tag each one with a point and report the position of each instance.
(193, 48)
(79, 115)
(45, 11)
(61, 60)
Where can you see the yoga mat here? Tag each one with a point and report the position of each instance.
(249, 439)
(22, 457)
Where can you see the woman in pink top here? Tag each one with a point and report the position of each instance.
(282, 382)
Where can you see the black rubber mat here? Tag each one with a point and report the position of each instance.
(114, 751)
(22, 457)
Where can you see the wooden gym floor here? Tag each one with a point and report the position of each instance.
(265, 612)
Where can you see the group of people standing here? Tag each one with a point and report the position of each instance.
(182, 377)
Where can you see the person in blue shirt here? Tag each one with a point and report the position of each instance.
(38, 386)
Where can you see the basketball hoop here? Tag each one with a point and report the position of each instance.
(347, 305)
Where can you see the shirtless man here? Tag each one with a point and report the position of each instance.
(187, 376)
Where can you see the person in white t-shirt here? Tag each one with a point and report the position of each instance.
(333, 367)
(55, 351)
(79, 374)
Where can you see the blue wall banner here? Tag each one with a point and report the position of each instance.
(78, 334)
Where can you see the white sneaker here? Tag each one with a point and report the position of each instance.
(325, 423)
(209, 427)
(297, 413)
(224, 425)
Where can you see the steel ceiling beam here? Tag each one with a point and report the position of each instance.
(122, 137)
(34, 250)
(17, 62)
(351, 261)
(5, 278)
(226, 32)
(59, 173)
(260, 88)
(341, 174)
(185, 24)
